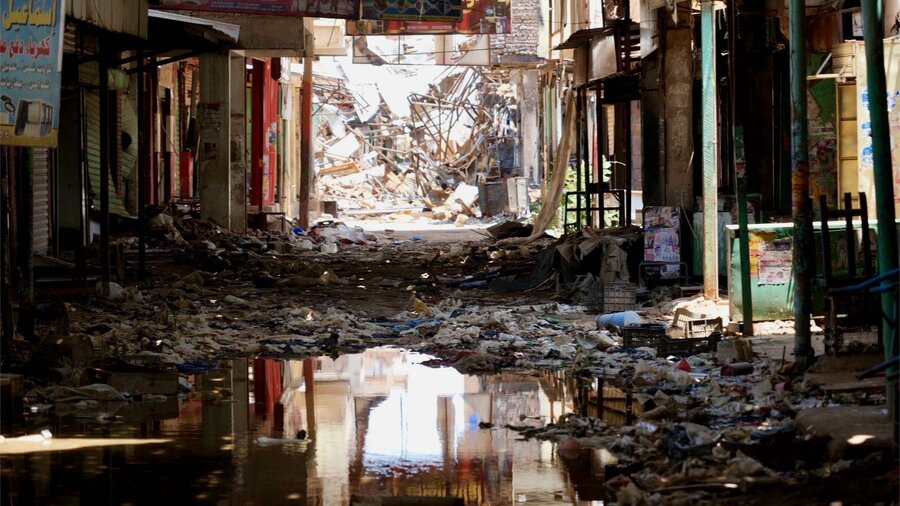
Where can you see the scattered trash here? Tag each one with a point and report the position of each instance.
(111, 291)
(96, 391)
(269, 441)
(737, 369)
(231, 299)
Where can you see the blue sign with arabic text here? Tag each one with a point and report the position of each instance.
(30, 65)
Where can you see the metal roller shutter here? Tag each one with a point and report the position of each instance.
(40, 221)
(92, 109)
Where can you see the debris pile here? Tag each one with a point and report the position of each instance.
(380, 154)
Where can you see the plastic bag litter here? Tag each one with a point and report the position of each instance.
(95, 391)
(271, 441)
(231, 299)
(114, 291)
(742, 466)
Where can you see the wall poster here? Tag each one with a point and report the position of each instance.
(662, 238)
(864, 137)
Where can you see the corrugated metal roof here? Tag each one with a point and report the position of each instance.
(582, 37)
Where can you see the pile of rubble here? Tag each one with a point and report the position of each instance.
(377, 155)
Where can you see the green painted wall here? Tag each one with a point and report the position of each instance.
(773, 301)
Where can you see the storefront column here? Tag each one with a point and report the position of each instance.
(238, 113)
(215, 127)
(710, 182)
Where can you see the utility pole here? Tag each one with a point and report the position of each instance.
(802, 246)
(710, 186)
(872, 14)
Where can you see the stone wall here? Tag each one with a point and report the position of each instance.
(526, 21)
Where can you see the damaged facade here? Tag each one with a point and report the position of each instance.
(599, 206)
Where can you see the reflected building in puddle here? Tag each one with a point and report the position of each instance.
(378, 426)
(384, 425)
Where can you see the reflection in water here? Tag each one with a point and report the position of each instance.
(378, 424)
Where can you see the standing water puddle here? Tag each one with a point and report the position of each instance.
(380, 428)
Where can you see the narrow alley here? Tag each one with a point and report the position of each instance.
(481, 252)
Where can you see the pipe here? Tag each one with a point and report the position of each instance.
(629, 173)
(579, 154)
(802, 243)
(104, 176)
(739, 169)
(710, 186)
(873, 32)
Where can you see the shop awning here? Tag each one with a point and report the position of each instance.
(583, 37)
(214, 31)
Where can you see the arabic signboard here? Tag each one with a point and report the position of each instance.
(478, 17)
(30, 65)
(344, 9)
(422, 10)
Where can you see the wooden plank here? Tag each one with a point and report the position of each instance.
(843, 381)
(342, 169)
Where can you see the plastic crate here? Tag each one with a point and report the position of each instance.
(653, 335)
(618, 297)
(702, 327)
(696, 326)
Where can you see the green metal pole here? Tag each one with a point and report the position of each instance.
(802, 245)
(881, 143)
(740, 171)
(710, 183)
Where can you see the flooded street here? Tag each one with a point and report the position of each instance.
(377, 427)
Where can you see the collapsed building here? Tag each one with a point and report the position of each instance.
(413, 146)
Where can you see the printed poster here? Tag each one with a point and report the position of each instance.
(821, 108)
(771, 257)
(30, 66)
(864, 137)
(662, 229)
(342, 9)
(478, 17)
(405, 10)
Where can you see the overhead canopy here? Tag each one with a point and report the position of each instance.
(583, 37)
(185, 32)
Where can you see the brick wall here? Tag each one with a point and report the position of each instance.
(526, 19)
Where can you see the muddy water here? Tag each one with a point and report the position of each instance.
(378, 426)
